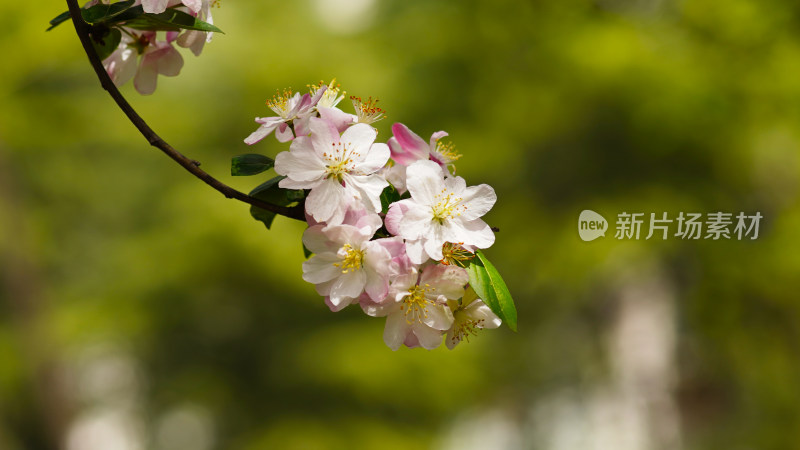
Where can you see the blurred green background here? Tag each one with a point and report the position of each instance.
(141, 310)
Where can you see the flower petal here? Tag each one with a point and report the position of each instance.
(396, 330)
(478, 200)
(411, 143)
(424, 181)
(360, 137)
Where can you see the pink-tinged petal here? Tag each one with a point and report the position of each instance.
(284, 133)
(372, 309)
(399, 155)
(193, 5)
(324, 201)
(323, 135)
(146, 76)
(478, 200)
(338, 118)
(411, 143)
(125, 66)
(439, 317)
(317, 95)
(348, 286)
(346, 234)
(367, 222)
(377, 266)
(475, 232)
(301, 127)
(320, 268)
(315, 239)
(424, 181)
(154, 6)
(374, 159)
(268, 124)
(169, 61)
(435, 137)
(299, 166)
(448, 280)
(429, 338)
(396, 330)
(335, 308)
(395, 214)
(412, 341)
(193, 40)
(360, 137)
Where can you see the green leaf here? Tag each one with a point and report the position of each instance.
(58, 20)
(108, 43)
(490, 287)
(269, 191)
(170, 20)
(250, 164)
(102, 13)
(388, 196)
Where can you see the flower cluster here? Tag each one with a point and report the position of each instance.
(391, 227)
(148, 32)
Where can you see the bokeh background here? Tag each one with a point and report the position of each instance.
(141, 310)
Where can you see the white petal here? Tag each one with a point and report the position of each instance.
(300, 164)
(154, 6)
(416, 252)
(284, 133)
(449, 281)
(475, 232)
(323, 135)
(416, 223)
(424, 181)
(374, 160)
(261, 132)
(478, 201)
(360, 137)
(326, 201)
(479, 311)
(318, 242)
(348, 285)
(439, 317)
(370, 188)
(320, 268)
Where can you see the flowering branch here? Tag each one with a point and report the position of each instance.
(83, 30)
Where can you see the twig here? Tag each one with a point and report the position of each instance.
(83, 30)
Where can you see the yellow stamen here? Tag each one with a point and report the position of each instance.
(367, 111)
(447, 207)
(416, 304)
(353, 259)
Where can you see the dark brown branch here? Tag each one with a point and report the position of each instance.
(83, 30)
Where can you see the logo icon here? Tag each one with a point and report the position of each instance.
(591, 225)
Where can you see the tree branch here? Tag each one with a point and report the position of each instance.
(83, 30)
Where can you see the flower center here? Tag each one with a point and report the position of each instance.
(447, 206)
(352, 259)
(447, 152)
(456, 254)
(367, 111)
(331, 97)
(280, 103)
(416, 304)
(339, 161)
(465, 327)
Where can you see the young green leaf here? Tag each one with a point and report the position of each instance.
(388, 196)
(269, 191)
(103, 13)
(490, 287)
(107, 43)
(58, 20)
(170, 20)
(250, 164)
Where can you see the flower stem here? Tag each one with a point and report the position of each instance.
(192, 166)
